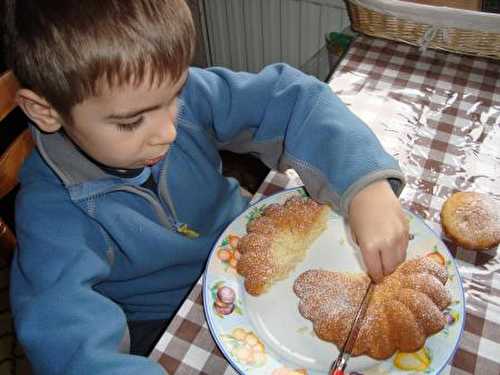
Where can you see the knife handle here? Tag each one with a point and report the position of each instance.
(338, 366)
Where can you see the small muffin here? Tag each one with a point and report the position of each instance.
(472, 220)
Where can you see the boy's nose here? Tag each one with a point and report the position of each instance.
(165, 134)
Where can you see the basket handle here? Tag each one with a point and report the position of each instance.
(428, 37)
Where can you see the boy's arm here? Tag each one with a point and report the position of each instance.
(291, 120)
(64, 325)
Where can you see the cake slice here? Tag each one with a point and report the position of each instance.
(278, 240)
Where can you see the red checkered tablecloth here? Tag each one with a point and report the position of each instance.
(439, 115)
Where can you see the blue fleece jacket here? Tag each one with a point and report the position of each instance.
(95, 250)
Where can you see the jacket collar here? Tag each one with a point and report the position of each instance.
(66, 160)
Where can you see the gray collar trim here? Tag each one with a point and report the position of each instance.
(65, 160)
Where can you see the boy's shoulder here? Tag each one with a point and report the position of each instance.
(43, 204)
(208, 85)
(36, 173)
(196, 93)
(39, 186)
(198, 77)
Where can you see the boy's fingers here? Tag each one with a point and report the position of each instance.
(390, 259)
(405, 239)
(371, 259)
(393, 254)
(401, 246)
(371, 256)
(402, 249)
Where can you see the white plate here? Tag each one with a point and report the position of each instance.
(267, 334)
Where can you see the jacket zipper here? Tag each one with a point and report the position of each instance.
(165, 199)
(167, 221)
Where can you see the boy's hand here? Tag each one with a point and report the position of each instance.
(380, 228)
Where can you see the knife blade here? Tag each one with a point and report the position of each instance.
(339, 365)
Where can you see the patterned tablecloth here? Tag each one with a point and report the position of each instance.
(439, 114)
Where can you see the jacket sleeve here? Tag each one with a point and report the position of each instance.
(64, 325)
(292, 120)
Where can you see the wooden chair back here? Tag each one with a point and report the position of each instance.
(11, 158)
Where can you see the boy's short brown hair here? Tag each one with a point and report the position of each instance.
(66, 50)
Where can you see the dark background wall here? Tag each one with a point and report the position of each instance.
(2, 63)
(2, 54)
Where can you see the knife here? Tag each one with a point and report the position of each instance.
(339, 365)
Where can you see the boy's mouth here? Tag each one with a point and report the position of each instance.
(150, 162)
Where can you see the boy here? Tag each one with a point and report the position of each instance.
(123, 197)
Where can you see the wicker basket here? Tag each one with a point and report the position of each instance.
(382, 19)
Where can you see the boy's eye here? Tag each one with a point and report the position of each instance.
(129, 126)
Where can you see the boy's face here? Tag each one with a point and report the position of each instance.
(129, 126)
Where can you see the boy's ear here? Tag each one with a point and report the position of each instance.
(39, 110)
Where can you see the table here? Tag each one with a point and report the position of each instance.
(439, 114)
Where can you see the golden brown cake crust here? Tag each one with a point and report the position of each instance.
(472, 220)
(276, 241)
(404, 309)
